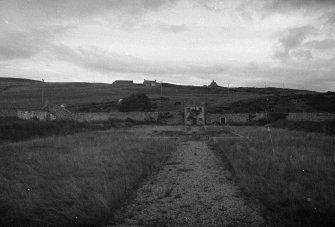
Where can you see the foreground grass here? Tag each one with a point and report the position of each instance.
(295, 181)
(74, 180)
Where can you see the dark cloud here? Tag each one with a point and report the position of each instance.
(293, 38)
(108, 62)
(301, 54)
(326, 44)
(27, 42)
(284, 6)
(166, 28)
(62, 9)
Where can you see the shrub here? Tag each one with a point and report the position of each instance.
(135, 102)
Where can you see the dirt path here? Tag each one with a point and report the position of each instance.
(192, 189)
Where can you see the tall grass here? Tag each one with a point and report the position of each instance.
(14, 129)
(296, 182)
(74, 180)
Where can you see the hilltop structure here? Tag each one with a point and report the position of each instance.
(123, 83)
(213, 85)
(150, 83)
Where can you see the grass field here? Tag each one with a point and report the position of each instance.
(294, 179)
(75, 180)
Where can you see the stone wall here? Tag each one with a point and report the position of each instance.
(35, 114)
(233, 118)
(310, 116)
(171, 118)
(8, 113)
(136, 116)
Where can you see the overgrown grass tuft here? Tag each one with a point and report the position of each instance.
(76, 180)
(295, 183)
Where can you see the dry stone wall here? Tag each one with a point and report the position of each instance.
(35, 114)
(317, 117)
(8, 113)
(170, 118)
(233, 118)
(136, 116)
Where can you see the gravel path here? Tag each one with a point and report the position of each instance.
(192, 189)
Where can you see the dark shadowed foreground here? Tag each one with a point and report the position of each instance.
(74, 180)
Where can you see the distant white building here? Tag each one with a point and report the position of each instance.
(150, 83)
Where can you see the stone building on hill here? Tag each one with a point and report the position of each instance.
(123, 83)
(150, 83)
(213, 84)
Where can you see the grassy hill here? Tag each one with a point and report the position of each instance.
(321, 102)
(23, 93)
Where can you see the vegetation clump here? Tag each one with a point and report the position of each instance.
(94, 107)
(136, 102)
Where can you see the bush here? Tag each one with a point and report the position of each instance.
(136, 102)
(94, 107)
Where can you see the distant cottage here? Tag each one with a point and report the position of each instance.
(150, 83)
(123, 83)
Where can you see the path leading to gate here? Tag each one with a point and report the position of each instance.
(192, 189)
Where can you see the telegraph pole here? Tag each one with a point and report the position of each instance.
(42, 91)
(161, 88)
(228, 87)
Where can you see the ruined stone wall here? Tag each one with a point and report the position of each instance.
(233, 118)
(8, 113)
(136, 116)
(35, 114)
(310, 116)
(62, 113)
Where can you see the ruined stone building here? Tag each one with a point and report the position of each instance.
(194, 114)
(213, 85)
(123, 83)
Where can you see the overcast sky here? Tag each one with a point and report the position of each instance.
(279, 43)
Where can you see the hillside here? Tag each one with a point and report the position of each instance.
(22, 93)
(16, 80)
